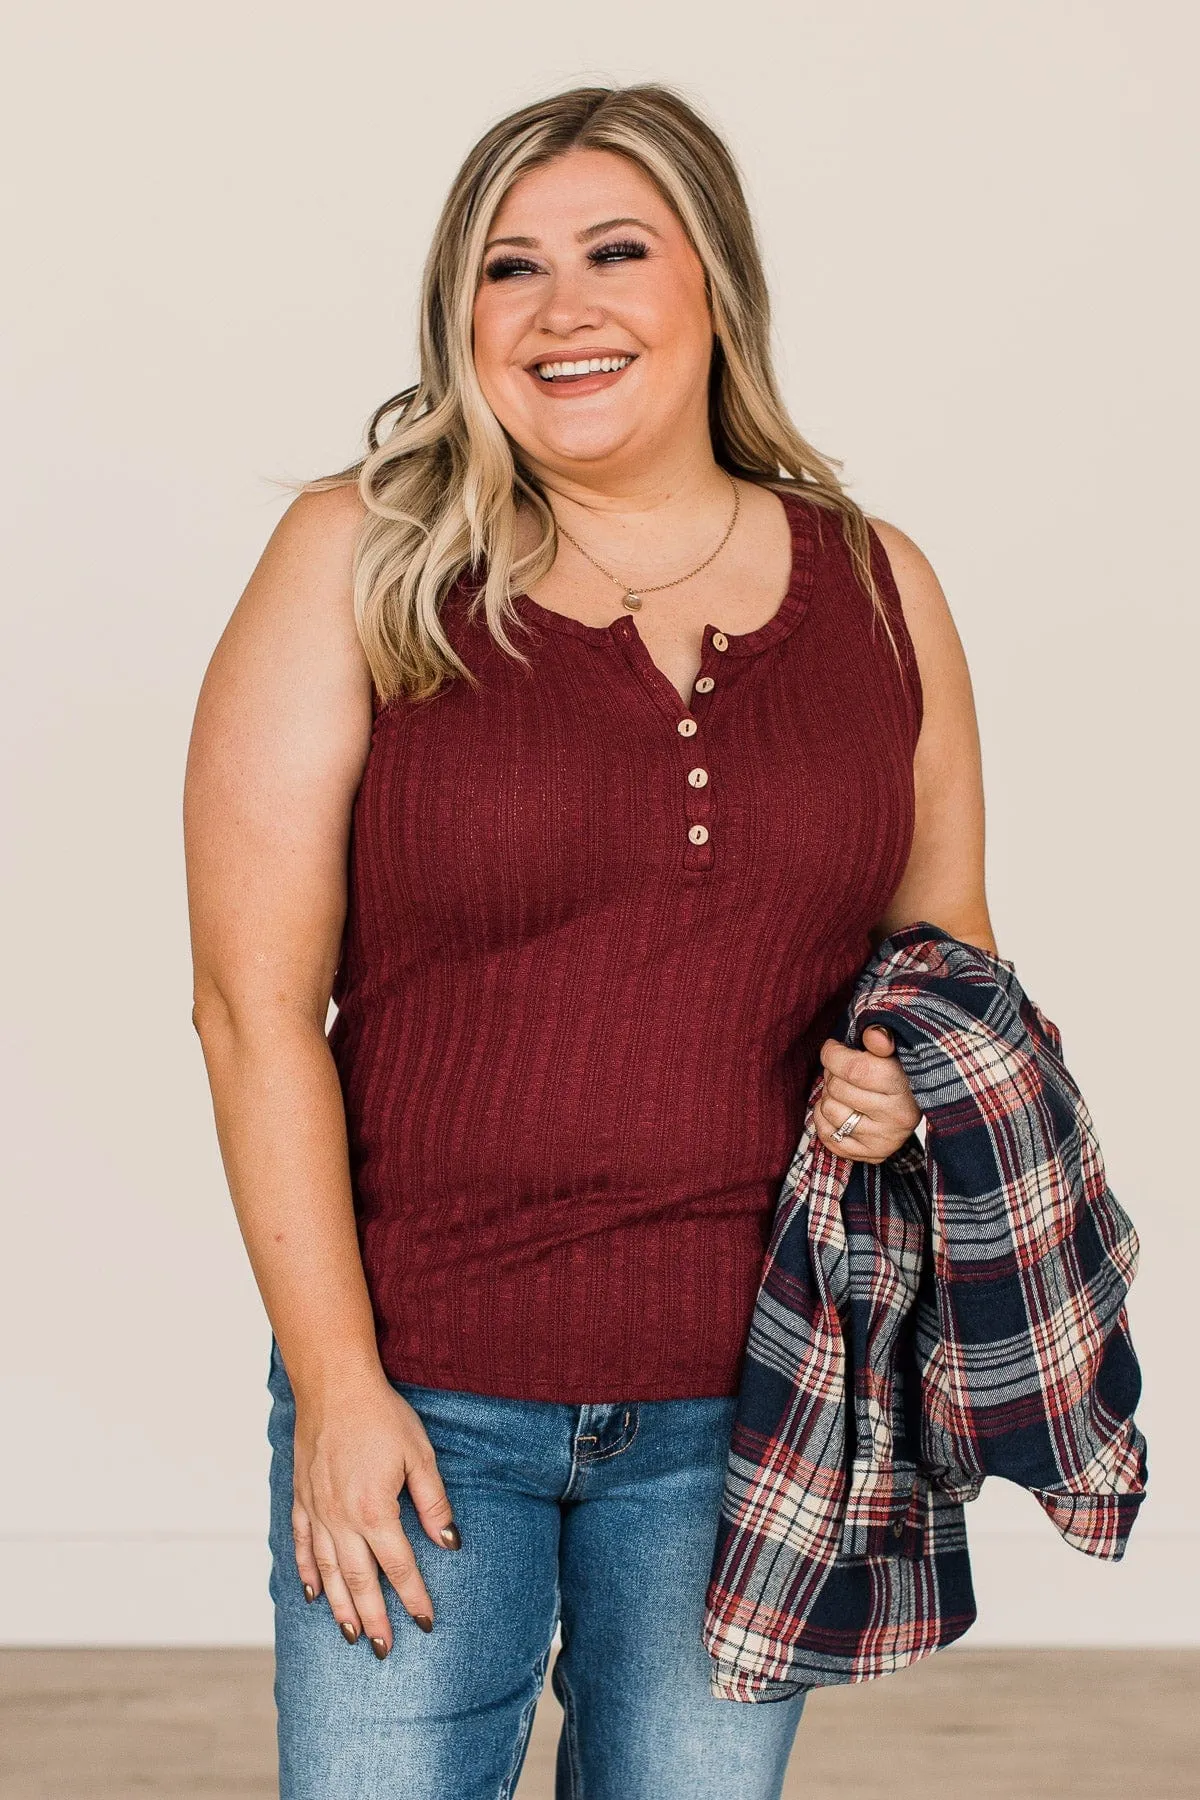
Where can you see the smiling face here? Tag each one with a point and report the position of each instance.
(602, 270)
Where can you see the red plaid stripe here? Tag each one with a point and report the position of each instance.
(985, 1271)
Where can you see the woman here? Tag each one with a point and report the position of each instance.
(581, 742)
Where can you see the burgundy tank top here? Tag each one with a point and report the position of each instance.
(594, 940)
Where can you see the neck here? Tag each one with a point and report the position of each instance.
(655, 500)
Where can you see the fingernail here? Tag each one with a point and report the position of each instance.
(449, 1536)
(349, 1632)
(310, 1593)
(379, 1646)
(423, 1620)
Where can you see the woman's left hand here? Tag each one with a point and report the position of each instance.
(869, 1081)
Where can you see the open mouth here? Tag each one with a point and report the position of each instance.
(585, 372)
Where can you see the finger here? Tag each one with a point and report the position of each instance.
(867, 1140)
(306, 1562)
(891, 1118)
(428, 1494)
(390, 1546)
(850, 1148)
(893, 1104)
(832, 1116)
(360, 1572)
(336, 1592)
(877, 1073)
(882, 1044)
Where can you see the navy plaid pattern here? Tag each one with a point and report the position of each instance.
(954, 1312)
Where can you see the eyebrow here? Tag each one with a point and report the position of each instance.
(581, 237)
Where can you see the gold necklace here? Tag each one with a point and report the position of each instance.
(632, 599)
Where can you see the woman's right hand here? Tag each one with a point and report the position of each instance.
(355, 1450)
(280, 741)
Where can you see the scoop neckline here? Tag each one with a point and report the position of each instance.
(786, 616)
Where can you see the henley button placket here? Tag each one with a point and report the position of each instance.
(698, 852)
(701, 825)
(697, 834)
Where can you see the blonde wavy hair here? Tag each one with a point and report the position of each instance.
(443, 486)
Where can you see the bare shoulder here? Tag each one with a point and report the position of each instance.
(926, 609)
(288, 684)
(329, 511)
(317, 534)
(279, 741)
(941, 658)
(298, 605)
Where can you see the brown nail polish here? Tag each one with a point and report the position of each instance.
(423, 1620)
(379, 1646)
(449, 1536)
(310, 1593)
(349, 1632)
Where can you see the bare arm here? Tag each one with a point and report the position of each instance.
(944, 879)
(280, 739)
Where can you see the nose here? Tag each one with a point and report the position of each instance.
(566, 304)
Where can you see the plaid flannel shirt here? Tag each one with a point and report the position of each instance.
(953, 1312)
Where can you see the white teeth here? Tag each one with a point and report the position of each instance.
(593, 366)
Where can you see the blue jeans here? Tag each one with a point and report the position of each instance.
(599, 1519)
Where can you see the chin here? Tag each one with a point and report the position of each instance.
(586, 446)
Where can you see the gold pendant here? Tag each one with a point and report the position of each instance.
(632, 601)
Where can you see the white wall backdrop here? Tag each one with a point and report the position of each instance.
(981, 243)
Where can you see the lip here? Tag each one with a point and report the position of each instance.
(582, 384)
(578, 355)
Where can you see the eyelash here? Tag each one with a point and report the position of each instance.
(508, 265)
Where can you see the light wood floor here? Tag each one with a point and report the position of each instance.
(966, 1725)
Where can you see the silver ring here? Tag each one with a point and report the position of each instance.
(846, 1128)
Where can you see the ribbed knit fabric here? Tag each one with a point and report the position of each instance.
(574, 1043)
